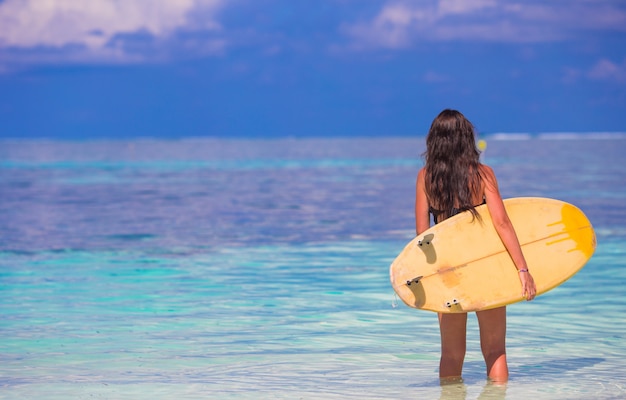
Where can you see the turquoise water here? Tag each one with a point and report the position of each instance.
(234, 269)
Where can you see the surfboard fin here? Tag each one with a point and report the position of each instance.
(428, 248)
(414, 280)
(453, 302)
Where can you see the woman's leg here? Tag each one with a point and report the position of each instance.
(453, 332)
(492, 324)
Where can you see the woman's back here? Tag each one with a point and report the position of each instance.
(453, 172)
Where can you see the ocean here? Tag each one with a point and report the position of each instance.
(259, 268)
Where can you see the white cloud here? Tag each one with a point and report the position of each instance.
(606, 70)
(401, 23)
(463, 6)
(91, 26)
(392, 27)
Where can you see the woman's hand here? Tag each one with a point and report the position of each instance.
(529, 289)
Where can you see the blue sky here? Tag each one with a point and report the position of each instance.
(232, 68)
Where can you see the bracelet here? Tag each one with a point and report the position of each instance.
(522, 270)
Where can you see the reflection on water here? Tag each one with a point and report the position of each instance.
(457, 390)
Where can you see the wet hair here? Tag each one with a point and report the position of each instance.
(452, 164)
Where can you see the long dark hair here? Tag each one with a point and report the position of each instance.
(452, 164)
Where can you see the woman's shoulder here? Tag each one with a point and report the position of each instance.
(486, 170)
(488, 176)
(420, 177)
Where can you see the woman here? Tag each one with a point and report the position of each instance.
(453, 180)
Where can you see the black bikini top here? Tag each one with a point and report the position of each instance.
(436, 213)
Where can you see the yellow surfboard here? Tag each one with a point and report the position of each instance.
(461, 265)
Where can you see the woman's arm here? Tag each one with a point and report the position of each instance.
(505, 230)
(422, 218)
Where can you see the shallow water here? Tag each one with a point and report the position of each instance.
(259, 269)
